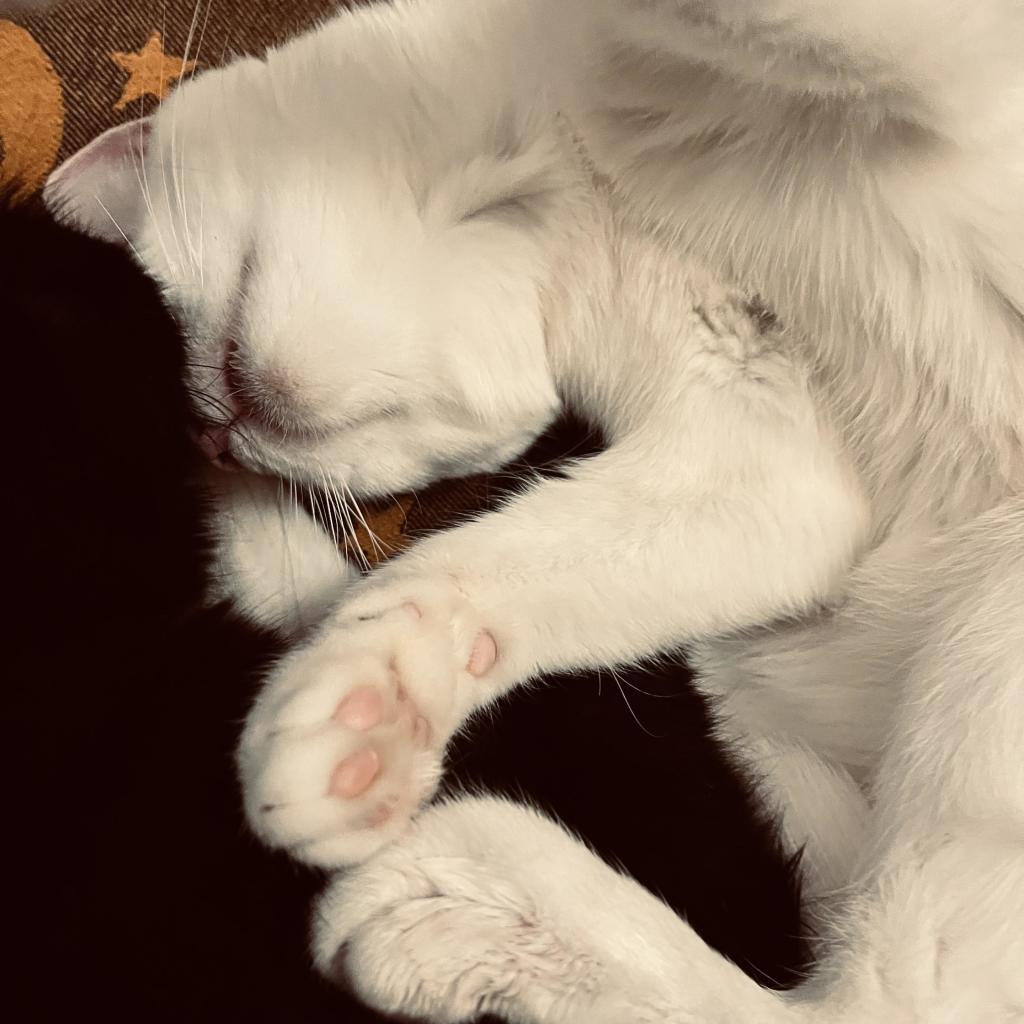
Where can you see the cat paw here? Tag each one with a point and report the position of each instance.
(486, 907)
(434, 928)
(347, 739)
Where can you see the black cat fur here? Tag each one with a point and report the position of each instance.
(147, 899)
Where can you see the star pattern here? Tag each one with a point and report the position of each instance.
(151, 72)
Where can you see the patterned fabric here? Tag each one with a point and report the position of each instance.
(69, 75)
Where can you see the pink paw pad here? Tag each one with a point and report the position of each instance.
(362, 709)
(483, 655)
(355, 774)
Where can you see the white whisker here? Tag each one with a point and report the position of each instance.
(347, 509)
(334, 520)
(622, 690)
(346, 523)
(178, 166)
(120, 230)
(163, 163)
(339, 520)
(375, 541)
(202, 36)
(142, 176)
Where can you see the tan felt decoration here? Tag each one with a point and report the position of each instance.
(31, 110)
(150, 71)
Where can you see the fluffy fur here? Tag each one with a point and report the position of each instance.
(488, 208)
(128, 702)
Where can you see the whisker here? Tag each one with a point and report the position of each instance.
(172, 220)
(339, 520)
(142, 176)
(202, 201)
(349, 509)
(202, 36)
(618, 683)
(346, 522)
(120, 230)
(313, 504)
(375, 541)
(230, 420)
(177, 172)
(221, 370)
(324, 495)
(361, 556)
(293, 492)
(656, 696)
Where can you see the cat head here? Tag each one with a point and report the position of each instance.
(358, 263)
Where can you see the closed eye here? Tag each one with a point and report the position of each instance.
(522, 186)
(501, 206)
(530, 202)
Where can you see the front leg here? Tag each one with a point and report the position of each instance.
(275, 566)
(660, 539)
(487, 907)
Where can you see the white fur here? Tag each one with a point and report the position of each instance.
(490, 907)
(412, 233)
(273, 562)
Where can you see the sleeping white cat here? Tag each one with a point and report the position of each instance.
(400, 242)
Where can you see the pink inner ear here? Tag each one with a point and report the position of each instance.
(115, 144)
(99, 185)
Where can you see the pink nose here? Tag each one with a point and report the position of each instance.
(213, 442)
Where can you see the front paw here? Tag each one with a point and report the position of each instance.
(436, 928)
(346, 741)
(488, 907)
(271, 561)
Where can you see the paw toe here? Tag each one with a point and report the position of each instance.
(355, 774)
(362, 709)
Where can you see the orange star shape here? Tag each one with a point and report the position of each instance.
(150, 71)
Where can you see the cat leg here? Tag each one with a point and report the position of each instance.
(484, 906)
(806, 707)
(821, 810)
(489, 907)
(743, 517)
(271, 561)
(936, 932)
(809, 706)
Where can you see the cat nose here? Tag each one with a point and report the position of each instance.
(262, 396)
(249, 404)
(242, 400)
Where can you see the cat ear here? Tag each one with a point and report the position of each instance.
(99, 189)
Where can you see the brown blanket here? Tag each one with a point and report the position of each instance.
(67, 75)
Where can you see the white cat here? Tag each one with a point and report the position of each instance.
(400, 242)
